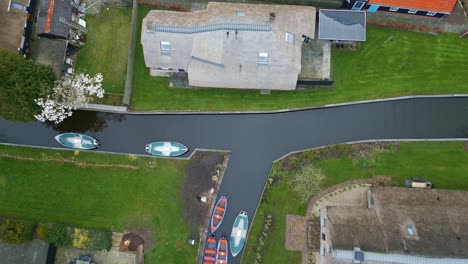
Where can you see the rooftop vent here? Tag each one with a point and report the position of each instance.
(272, 16)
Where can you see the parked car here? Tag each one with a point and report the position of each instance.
(418, 183)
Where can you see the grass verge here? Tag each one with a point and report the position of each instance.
(390, 63)
(442, 163)
(99, 191)
(106, 49)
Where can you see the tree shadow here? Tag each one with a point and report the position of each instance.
(86, 121)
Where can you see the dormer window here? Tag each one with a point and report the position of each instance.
(263, 58)
(166, 48)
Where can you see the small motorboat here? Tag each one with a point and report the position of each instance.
(218, 213)
(222, 253)
(239, 233)
(77, 141)
(209, 255)
(166, 149)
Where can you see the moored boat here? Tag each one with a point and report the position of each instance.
(239, 233)
(209, 255)
(222, 252)
(218, 213)
(166, 149)
(77, 141)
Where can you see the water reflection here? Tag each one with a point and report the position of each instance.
(86, 121)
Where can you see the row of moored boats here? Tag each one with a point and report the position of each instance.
(217, 253)
(160, 148)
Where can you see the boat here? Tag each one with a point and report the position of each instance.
(77, 141)
(222, 253)
(239, 233)
(209, 255)
(218, 213)
(166, 149)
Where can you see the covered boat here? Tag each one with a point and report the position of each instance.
(209, 255)
(239, 232)
(222, 254)
(166, 149)
(218, 213)
(77, 141)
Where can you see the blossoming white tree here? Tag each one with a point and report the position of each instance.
(69, 93)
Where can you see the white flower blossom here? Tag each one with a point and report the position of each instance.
(69, 93)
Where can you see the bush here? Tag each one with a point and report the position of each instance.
(58, 234)
(307, 182)
(79, 237)
(14, 232)
(42, 231)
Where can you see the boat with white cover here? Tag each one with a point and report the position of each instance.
(166, 149)
(77, 141)
(239, 233)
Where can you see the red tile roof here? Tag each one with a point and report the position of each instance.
(428, 5)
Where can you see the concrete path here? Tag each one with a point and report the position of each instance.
(257, 139)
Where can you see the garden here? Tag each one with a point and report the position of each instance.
(75, 198)
(442, 163)
(390, 63)
(106, 51)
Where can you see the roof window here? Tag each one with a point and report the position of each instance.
(409, 228)
(263, 58)
(165, 48)
(240, 13)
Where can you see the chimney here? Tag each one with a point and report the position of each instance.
(272, 16)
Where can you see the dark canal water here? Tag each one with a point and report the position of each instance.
(256, 139)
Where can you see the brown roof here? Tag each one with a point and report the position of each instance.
(428, 5)
(438, 217)
(11, 26)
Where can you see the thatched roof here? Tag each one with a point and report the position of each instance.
(438, 217)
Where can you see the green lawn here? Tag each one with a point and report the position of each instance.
(390, 63)
(106, 49)
(443, 163)
(89, 196)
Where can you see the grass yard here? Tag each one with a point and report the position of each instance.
(106, 49)
(442, 163)
(112, 197)
(390, 63)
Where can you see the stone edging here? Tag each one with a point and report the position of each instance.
(271, 111)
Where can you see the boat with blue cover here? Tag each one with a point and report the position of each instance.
(239, 233)
(77, 141)
(218, 213)
(166, 149)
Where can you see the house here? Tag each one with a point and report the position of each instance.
(58, 25)
(230, 45)
(342, 25)
(15, 24)
(398, 225)
(431, 8)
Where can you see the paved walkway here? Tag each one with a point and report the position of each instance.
(258, 139)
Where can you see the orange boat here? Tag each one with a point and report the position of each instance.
(222, 254)
(218, 213)
(209, 255)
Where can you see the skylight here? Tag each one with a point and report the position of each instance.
(263, 58)
(290, 38)
(165, 48)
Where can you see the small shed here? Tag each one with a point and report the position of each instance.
(342, 25)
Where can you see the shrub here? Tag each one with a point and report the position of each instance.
(100, 239)
(42, 231)
(12, 232)
(307, 181)
(57, 234)
(81, 238)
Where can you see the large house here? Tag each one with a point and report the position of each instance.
(230, 45)
(398, 225)
(432, 8)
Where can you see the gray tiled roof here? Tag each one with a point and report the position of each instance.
(62, 8)
(342, 25)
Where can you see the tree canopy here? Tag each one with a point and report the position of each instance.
(22, 81)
